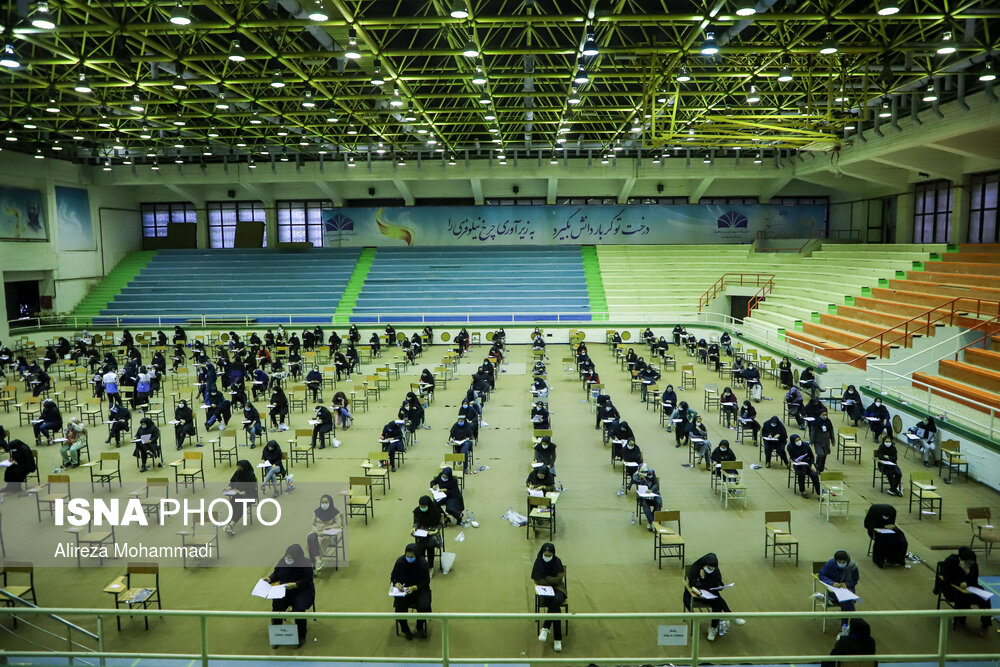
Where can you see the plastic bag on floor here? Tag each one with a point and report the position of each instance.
(516, 520)
(447, 560)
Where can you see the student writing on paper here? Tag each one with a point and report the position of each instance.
(325, 517)
(426, 382)
(472, 412)
(49, 421)
(857, 641)
(878, 419)
(607, 413)
(620, 433)
(541, 479)
(392, 441)
(926, 439)
(244, 483)
(748, 421)
(411, 574)
(272, 454)
(75, 435)
(23, 465)
(252, 425)
(184, 428)
(545, 453)
(219, 410)
(851, 404)
(793, 403)
(427, 517)
(808, 381)
(704, 575)
(803, 464)
(341, 407)
(721, 455)
(279, 412)
(412, 412)
(325, 425)
(540, 416)
(683, 419)
(889, 545)
(121, 422)
(958, 572)
(775, 437)
(461, 437)
(148, 445)
(840, 572)
(294, 571)
(698, 436)
(548, 570)
(453, 503)
(631, 454)
(730, 405)
(668, 402)
(646, 476)
(887, 452)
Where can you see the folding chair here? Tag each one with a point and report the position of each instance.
(359, 504)
(221, 452)
(130, 595)
(778, 536)
(667, 541)
(46, 496)
(189, 475)
(101, 475)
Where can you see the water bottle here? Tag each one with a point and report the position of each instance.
(560, 486)
(55, 468)
(621, 491)
(472, 516)
(633, 518)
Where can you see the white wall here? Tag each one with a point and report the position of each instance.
(116, 233)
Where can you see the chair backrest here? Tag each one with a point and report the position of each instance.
(778, 516)
(921, 476)
(711, 388)
(687, 367)
(110, 456)
(228, 433)
(666, 516)
(831, 476)
(732, 465)
(193, 456)
(150, 569)
(849, 431)
(454, 458)
(951, 445)
(16, 566)
(535, 501)
(978, 513)
(59, 479)
(158, 483)
(378, 456)
(817, 565)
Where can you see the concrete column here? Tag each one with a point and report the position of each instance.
(960, 197)
(271, 231)
(4, 330)
(904, 217)
(202, 224)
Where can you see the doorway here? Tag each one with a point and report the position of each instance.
(23, 301)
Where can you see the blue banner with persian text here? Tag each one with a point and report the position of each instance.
(575, 225)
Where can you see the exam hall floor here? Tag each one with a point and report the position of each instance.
(609, 560)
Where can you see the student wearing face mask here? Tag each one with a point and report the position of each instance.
(541, 479)
(698, 433)
(243, 485)
(453, 504)
(926, 439)
(427, 517)
(412, 576)
(730, 405)
(646, 476)
(548, 570)
(295, 572)
(325, 517)
(683, 420)
(545, 453)
(959, 572)
(668, 401)
(721, 455)
(889, 545)
(278, 408)
(147, 444)
(840, 572)
(793, 402)
(822, 439)
(851, 403)
(878, 419)
(325, 425)
(620, 434)
(607, 414)
(704, 575)
(472, 413)
(271, 453)
(803, 464)
(775, 437)
(887, 461)
(631, 456)
(540, 416)
(392, 441)
(857, 641)
(748, 420)
(251, 423)
(461, 439)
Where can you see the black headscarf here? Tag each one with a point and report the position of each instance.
(541, 570)
(244, 475)
(411, 574)
(432, 517)
(329, 514)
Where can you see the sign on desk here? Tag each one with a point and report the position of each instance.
(672, 635)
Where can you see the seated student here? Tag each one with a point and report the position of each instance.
(353, 359)
(462, 438)
(713, 357)
(308, 340)
(959, 572)
(147, 444)
(646, 476)
(426, 382)
(630, 358)
(278, 409)
(342, 365)
(704, 575)
(878, 419)
(809, 383)
(376, 344)
(143, 387)
(857, 641)
(390, 335)
(341, 410)
(648, 375)
(889, 545)
(803, 464)
(619, 434)
(752, 377)
(334, 342)
(23, 465)
(259, 383)
(412, 412)
(314, 382)
(840, 572)
(730, 405)
(480, 385)
(683, 419)
(411, 575)
(678, 333)
(184, 427)
(662, 347)
(391, 440)
(472, 412)
(851, 403)
(540, 416)
(238, 394)
(887, 462)
(325, 425)
(631, 454)
(294, 571)
(539, 389)
(722, 454)
(811, 412)
(649, 337)
(926, 439)
(698, 437)
(75, 435)
(179, 335)
(271, 453)
(545, 453)
(668, 401)
(822, 439)
(49, 421)
(427, 518)
(785, 377)
(294, 344)
(702, 350)
(775, 437)
(794, 400)
(120, 419)
(325, 517)
(219, 410)
(538, 370)
(548, 570)
(748, 420)
(41, 382)
(541, 479)
(726, 342)
(607, 413)
(244, 483)
(452, 503)
(251, 423)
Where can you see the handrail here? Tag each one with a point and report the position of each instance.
(725, 279)
(860, 359)
(691, 655)
(982, 339)
(72, 626)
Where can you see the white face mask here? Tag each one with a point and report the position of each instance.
(289, 561)
(709, 570)
(547, 559)
(324, 506)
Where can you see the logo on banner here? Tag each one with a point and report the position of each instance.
(732, 220)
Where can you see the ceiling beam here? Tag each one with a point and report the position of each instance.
(626, 190)
(184, 193)
(700, 189)
(877, 173)
(404, 191)
(330, 192)
(973, 147)
(918, 166)
(772, 187)
(550, 195)
(477, 190)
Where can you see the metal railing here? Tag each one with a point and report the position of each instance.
(690, 655)
(765, 281)
(72, 646)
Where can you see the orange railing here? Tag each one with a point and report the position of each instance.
(765, 281)
(949, 311)
(990, 327)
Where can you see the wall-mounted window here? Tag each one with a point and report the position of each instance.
(301, 221)
(932, 212)
(224, 216)
(983, 208)
(156, 217)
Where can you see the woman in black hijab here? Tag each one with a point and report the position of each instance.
(427, 517)
(296, 573)
(704, 576)
(548, 570)
(541, 479)
(411, 575)
(325, 517)
(242, 485)
(857, 641)
(452, 503)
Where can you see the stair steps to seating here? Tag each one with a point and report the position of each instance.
(964, 268)
(950, 291)
(112, 284)
(864, 329)
(991, 282)
(977, 376)
(967, 395)
(354, 286)
(986, 358)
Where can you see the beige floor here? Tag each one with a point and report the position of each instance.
(609, 560)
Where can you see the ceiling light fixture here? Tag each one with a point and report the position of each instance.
(318, 14)
(785, 75)
(470, 50)
(930, 95)
(885, 112)
(479, 79)
(489, 115)
(41, 18)
(709, 48)
(81, 85)
(484, 99)
(8, 58)
(136, 105)
(753, 96)
(987, 74)
(236, 53)
(757, 160)
(179, 83)
(352, 52)
(277, 81)
(590, 46)
(10, 135)
(574, 97)
(745, 8)
(887, 7)
(396, 100)
(351, 129)
(684, 76)
(221, 103)
(459, 10)
(52, 107)
(377, 78)
(178, 16)
(307, 100)
(581, 76)
(828, 47)
(947, 46)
